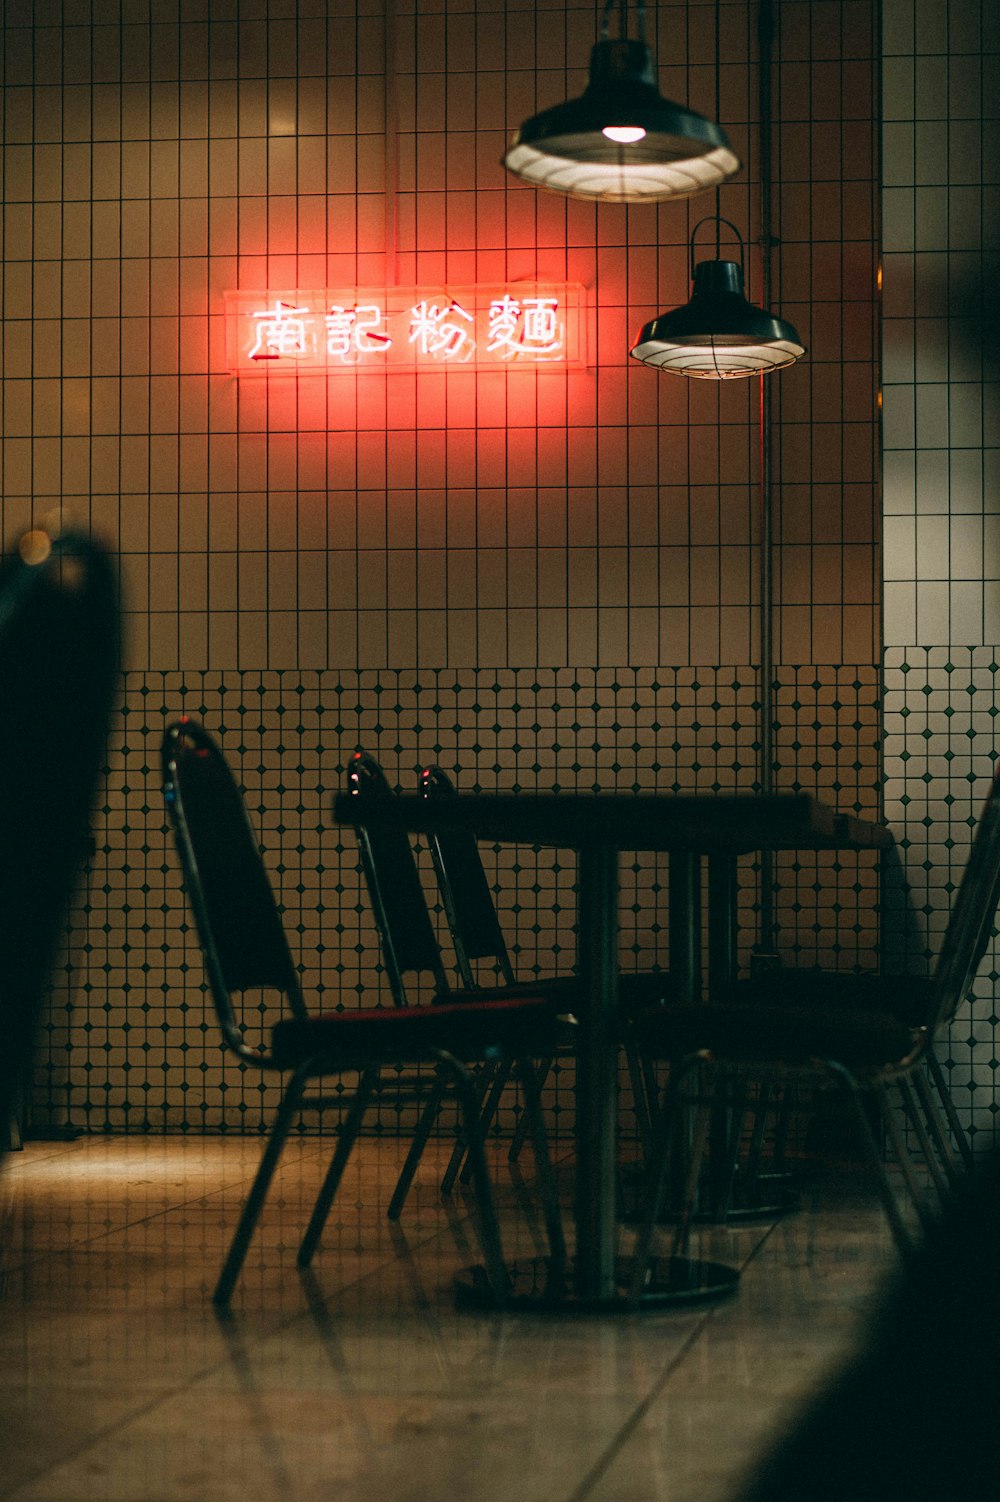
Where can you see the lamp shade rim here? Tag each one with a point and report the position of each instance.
(728, 318)
(575, 128)
(657, 149)
(717, 362)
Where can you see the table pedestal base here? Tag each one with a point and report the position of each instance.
(767, 1196)
(672, 1282)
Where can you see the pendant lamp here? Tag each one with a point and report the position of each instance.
(621, 141)
(718, 335)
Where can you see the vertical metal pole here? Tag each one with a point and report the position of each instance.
(722, 937)
(764, 953)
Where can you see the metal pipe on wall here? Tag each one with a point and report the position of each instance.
(765, 952)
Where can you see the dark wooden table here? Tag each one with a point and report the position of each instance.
(598, 827)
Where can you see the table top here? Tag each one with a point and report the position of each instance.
(704, 822)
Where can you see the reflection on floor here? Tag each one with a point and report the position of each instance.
(118, 1383)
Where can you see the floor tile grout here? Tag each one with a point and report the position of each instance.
(124, 1384)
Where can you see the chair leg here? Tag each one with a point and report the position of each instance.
(902, 1152)
(689, 1194)
(427, 1119)
(521, 1130)
(916, 1119)
(904, 1241)
(349, 1130)
(496, 1083)
(543, 1166)
(247, 1224)
(727, 1139)
(782, 1125)
(454, 1167)
(761, 1108)
(937, 1074)
(651, 1090)
(937, 1126)
(487, 1223)
(640, 1100)
(657, 1176)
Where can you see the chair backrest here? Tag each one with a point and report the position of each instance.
(409, 944)
(972, 916)
(465, 892)
(242, 937)
(59, 656)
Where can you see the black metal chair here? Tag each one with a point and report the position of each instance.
(59, 630)
(864, 1049)
(410, 948)
(911, 1000)
(245, 947)
(911, 1415)
(477, 935)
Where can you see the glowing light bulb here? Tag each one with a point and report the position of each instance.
(624, 134)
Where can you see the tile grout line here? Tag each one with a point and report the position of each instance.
(617, 1444)
(227, 1321)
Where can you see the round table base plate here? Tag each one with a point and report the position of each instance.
(767, 1197)
(672, 1282)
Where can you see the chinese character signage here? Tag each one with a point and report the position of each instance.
(405, 328)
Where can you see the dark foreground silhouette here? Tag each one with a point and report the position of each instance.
(915, 1415)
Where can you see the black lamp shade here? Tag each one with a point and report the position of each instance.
(718, 335)
(677, 153)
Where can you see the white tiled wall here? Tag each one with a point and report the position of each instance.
(941, 468)
(603, 522)
(157, 156)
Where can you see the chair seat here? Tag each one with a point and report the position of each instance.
(636, 990)
(744, 1034)
(410, 1035)
(908, 998)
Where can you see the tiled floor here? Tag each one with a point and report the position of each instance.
(119, 1383)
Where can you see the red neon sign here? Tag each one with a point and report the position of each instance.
(405, 328)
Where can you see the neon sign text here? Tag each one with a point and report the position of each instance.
(405, 328)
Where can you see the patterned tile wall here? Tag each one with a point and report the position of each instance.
(941, 477)
(941, 708)
(131, 1043)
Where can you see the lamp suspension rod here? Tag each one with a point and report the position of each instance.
(623, 24)
(640, 19)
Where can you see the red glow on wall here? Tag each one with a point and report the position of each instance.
(405, 328)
